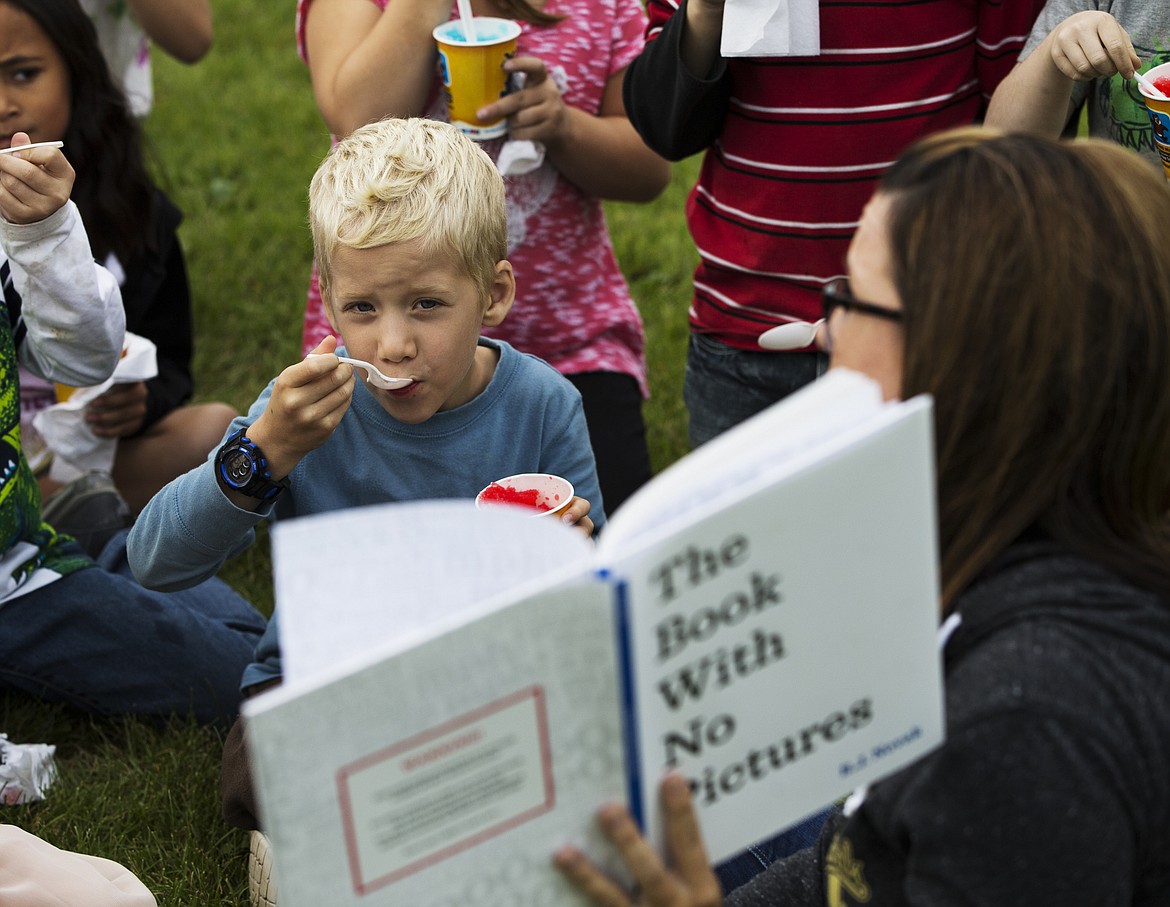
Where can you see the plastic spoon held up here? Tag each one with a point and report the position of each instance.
(12, 148)
(795, 335)
(468, 20)
(1151, 89)
(373, 376)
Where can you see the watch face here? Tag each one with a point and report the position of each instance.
(238, 468)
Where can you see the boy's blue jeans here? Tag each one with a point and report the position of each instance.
(100, 641)
(724, 386)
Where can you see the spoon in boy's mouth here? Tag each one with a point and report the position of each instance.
(373, 376)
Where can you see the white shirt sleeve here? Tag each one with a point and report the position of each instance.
(71, 306)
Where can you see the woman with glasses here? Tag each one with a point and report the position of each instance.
(1025, 284)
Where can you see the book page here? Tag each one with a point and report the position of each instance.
(447, 774)
(348, 582)
(782, 646)
(839, 400)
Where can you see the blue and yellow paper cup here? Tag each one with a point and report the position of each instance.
(1159, 111)
(473, 73)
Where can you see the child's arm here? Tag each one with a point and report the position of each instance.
(192, 526)
(307, 402)
(678, 89)
(601, 155)
(71, 321)
(367, 63)
(1036, 96)
(701, 36)
(180, 27)
(566, 451)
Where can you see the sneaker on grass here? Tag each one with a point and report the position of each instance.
(90, 509)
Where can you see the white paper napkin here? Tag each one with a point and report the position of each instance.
(771, 28)
(518, 157)
(76, 449)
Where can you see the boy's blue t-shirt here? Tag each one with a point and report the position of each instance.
(528, 419)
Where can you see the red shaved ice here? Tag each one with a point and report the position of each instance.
(496, 493)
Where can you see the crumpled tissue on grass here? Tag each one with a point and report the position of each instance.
(26, 770)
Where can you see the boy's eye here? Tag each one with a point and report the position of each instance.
(428, 304)
(360, 305)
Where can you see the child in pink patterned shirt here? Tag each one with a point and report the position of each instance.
(374, 58)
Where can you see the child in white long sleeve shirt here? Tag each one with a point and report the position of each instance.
(72, 629)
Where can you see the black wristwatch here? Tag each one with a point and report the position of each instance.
(240, 466)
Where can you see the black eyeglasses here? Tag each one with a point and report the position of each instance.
(837, 295)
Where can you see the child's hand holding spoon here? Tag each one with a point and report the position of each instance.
(43, 180)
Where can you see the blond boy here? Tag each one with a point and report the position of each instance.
(409, 235)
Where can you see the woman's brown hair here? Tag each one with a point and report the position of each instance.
(1035, 279)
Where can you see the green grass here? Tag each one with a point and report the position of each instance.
(234, 140)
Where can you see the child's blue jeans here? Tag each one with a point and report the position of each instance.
(100, 641)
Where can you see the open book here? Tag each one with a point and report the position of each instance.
(465, 687)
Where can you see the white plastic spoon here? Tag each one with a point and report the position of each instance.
(373, 376)
(468, 20)
(1149, 86)
(795, 335)
(12, 148)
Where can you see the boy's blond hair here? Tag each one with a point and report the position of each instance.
(398, 180)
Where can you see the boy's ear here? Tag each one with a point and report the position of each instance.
(502, 296)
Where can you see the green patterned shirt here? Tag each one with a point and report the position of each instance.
(20, 496)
